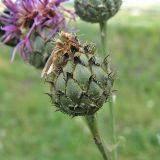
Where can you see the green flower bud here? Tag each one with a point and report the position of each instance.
(79, 80)
(96, 11)
(41, 50)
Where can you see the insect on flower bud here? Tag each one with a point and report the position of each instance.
(79, 80)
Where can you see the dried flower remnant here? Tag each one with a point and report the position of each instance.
(25, 17)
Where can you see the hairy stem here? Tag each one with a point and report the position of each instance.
(103, 32)
(92, 123)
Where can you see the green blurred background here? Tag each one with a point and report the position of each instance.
(31, 130)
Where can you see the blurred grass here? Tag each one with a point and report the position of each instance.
(31, 130)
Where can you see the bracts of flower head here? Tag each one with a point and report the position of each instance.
(79, 80)
(96, 11)
(23, 19)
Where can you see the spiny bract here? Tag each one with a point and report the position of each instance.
(96, 11)
(79, 80)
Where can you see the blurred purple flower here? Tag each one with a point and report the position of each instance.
(24, 17)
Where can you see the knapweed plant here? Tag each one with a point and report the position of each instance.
(100, 11)
(80, 80)
(33, 23)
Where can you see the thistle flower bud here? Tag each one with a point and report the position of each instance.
(96, 11)
(41, 50)
(79, 80)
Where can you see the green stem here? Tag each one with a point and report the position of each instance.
(103, 31)
(92, 123)
(113, 133)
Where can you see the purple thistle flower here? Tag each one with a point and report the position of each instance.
(24, 17)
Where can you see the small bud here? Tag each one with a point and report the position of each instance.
(41, 51)
(96, 11)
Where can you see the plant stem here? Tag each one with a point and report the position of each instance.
(103, 31)
(92, 123)
(112, 119)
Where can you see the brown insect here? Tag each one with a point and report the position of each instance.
(65, 47)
